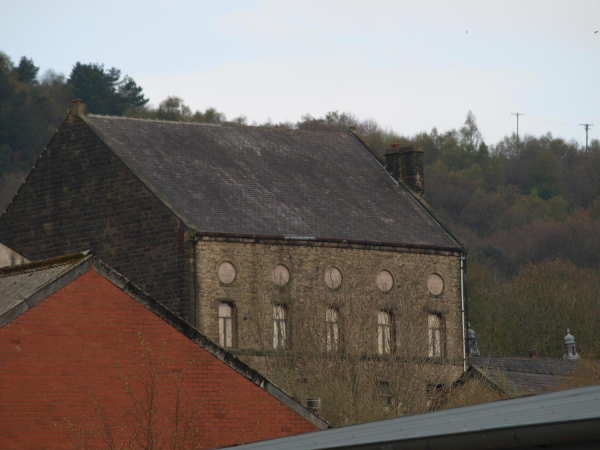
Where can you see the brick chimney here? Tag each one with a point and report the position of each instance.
(78, 107)
(406, 164)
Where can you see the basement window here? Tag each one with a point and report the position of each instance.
(384, 393)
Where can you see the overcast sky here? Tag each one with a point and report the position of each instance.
(410, 65)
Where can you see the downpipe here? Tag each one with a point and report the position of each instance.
(462, 299)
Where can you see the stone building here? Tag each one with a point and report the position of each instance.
(253, 235)
(106, 344)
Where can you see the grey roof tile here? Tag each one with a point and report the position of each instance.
(266, 182)
(524, 375)
(18, 283)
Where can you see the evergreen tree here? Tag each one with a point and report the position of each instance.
(103, 91)
(27, 71)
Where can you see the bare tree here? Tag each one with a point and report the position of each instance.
(160, 414)
(366, 359)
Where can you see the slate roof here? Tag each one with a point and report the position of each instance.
(524, 375)
(264, 182)
(18, 284)
(528, 422)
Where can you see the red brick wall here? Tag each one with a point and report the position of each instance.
(81, 342)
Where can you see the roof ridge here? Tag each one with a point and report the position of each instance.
(43, 264)
(224, 125)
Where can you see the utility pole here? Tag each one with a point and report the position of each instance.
(587, 127)
(518, 114)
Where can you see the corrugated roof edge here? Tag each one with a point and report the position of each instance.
(413, 194)
(147, 184)
(534, 431)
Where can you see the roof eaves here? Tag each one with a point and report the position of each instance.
(147, 184)
(203, 341)
(320, 239)
(417, 198)
(48, 288)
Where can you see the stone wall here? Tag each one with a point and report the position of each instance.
(254, 292)
(81, 196)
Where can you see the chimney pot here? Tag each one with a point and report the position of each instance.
(533, 353)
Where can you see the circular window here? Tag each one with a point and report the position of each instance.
(333, 277)
(281, 275)
(384, 280)
(227, 273)
(435, 284)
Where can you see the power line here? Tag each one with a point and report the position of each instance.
(587, 128)
(518, 114)
(539, 119)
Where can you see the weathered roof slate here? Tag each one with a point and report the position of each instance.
(18, 284)
(524, 375)
(266, 182)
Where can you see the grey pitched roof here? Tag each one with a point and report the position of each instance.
(559, 417)
(524, 375)
(24, 286)
(267, 182)
(21, 287)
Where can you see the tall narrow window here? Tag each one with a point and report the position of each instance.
(280, 327)
(385, 333)
(436, 335)
(332, 318)
(226, 325)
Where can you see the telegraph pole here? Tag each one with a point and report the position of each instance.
(587, 128)
(518, 114)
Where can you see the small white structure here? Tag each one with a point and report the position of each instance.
(10, 257)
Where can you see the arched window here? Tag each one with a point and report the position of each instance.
(281, 335)
(227, 325)
(386, 333)
(332, 319)
(436, 335)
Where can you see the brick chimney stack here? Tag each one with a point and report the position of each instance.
(78, 107)
(406, 164)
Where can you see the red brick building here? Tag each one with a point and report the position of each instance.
(85, 355)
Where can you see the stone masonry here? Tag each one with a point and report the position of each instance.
(254, 292)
